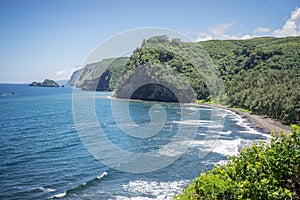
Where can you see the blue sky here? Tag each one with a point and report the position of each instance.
(50, 38)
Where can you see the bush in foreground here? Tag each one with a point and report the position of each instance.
(262, 171)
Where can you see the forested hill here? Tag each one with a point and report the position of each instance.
(260, 74)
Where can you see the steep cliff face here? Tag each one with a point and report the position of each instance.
(101, 76)
(154, 92)
(154, 83)
(98, 84)
(164, 70)
(72, 80)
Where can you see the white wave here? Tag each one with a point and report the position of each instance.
(220, 146)
(60, 195)
(226, 147)
(47, 189)
(176, 149)
(171, 152)
(193, 122)
(222, 162)
(223, 147)
(157, 190)
(225, 132)
(102, 175)
(192, 108)
(222, 115)
(214, 126)
(202, 134)
(219, 132)
(203, 123)
(243, 122)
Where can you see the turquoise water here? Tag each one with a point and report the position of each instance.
(42, 155)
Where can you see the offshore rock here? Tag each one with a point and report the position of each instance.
(45, 83)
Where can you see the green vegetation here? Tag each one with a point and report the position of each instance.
(262, 171)
(183, 65)
(116, 68)
(89, 75)
(261, 75)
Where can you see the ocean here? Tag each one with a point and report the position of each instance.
(43, 155)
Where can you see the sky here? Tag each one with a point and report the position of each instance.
(51, 38)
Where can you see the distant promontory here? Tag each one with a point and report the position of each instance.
(45, 83)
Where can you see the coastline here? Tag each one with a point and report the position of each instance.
(262, 122)
(266, 124)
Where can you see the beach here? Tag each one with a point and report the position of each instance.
(262, 122)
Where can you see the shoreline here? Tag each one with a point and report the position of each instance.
(264, 123)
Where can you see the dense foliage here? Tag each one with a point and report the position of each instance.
(262, 171)
(116, 68)
(261, 74)
(188, 61)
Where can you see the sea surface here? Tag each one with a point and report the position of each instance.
(42, 155)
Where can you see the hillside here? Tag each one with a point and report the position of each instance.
(260, 74)
(185, 68)
(88, 77)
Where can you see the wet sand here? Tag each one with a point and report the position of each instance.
(262, 122)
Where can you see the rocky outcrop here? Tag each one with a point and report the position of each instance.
(36, 84)
(100, 76)
(98, 84)
(154, 92)
(72, 80)
(49, 83)
(45, 83)
(154, 83)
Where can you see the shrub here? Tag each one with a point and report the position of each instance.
(262, 171)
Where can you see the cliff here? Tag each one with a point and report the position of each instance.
(98, 84)
(71, 81)
(89, 77)
(260, 74)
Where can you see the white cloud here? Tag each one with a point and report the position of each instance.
(245, 37)
(61, 73)
(203, 37)
(220, 29)
(261, 30)
(291, 26)
(219, 33)
(65, 74)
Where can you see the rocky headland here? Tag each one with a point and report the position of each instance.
(45, 83)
